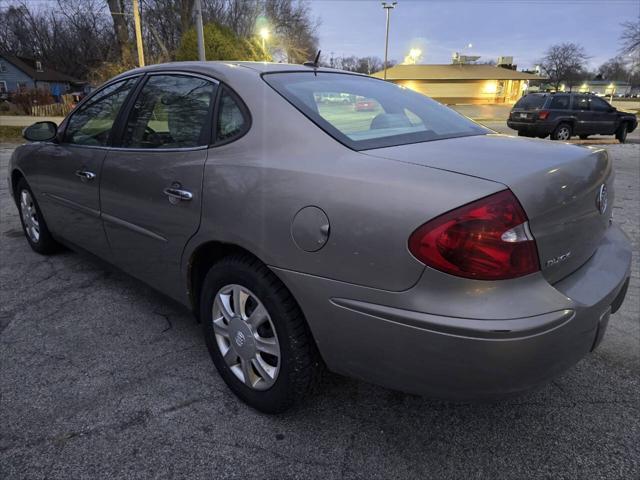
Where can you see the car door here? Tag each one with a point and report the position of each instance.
(603, 117)
(151, 183)
(70, 169)
(582, 111)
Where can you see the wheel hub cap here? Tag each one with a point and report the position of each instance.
(246, 337)
(29, 216)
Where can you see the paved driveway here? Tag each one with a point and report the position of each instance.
(100, 377)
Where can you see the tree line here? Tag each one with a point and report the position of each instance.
(94, 39)
(566, 63)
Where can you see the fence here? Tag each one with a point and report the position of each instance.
(53, 110)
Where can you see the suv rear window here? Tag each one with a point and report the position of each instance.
(363, 112)
(531, 102)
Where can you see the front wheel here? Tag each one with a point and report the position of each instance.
(33, 224)
(621, 134)
(562, 132)
(257, 336)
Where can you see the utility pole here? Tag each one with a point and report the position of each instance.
(388, 7)
(136, 21)
(197, 6)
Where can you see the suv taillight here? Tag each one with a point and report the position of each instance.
(543, 114)
(488, 239)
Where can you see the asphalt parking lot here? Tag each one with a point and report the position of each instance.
(101, 377)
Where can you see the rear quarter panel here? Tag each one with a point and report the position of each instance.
(254, 187)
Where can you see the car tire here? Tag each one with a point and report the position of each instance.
(562, 132)
(621, 133)
(584, 137)
(271, 369)
(33, 224)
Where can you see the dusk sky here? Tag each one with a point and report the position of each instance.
(523, 29)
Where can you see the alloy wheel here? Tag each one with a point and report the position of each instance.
(29, 216)
(246, 337)
(563, 133)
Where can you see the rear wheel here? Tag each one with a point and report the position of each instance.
(621, 134)
(562, 132)
(33, 224)
(257, 336)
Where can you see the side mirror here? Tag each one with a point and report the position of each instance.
(40, 132)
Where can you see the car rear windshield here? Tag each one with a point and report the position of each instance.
(364, 113)
(530, 102)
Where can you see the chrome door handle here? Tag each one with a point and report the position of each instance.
(176, 194)
(85, 175)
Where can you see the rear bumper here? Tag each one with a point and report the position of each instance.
(490, 342)
(538, 128)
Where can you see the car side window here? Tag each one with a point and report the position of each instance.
(580, 102)
(560, 102)
(91, 124)
(232, 121)
(171, 111)
(599, 105)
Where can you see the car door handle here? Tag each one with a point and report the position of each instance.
(85, 175)
(178, 194)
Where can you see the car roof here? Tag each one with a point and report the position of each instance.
(230, 69)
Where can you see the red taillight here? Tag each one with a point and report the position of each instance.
(487, 239)
(543, 114)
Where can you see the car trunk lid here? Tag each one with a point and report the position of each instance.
(557, 185)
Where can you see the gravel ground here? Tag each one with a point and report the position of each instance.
(100, 377)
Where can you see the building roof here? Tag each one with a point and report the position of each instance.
(28, 66)
(455, 72)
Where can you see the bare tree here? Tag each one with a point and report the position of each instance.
(630, 37)
(121, 29)
(72, 37)
(564, 63)
(614, 69)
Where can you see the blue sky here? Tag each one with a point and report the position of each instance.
(523, 29)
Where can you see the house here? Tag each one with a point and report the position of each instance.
(21, 73)
(463, 83)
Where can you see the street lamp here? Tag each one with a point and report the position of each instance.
(388, 7)
(264, 35)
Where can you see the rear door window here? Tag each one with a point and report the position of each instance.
(580, 102)
(560, 102)
(531, 102)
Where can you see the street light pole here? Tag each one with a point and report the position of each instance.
(388, 7)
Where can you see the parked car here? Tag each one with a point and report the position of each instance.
(420, 250)
(563, 115)
(365, 105)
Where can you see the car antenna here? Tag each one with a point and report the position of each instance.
(313, 64)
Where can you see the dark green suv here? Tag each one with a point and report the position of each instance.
(562, 115)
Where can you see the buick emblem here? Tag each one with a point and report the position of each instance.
(240, 339)
(602, 199)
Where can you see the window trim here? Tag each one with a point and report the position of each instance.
(128, 106)
(246, 113)
(6, 88)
